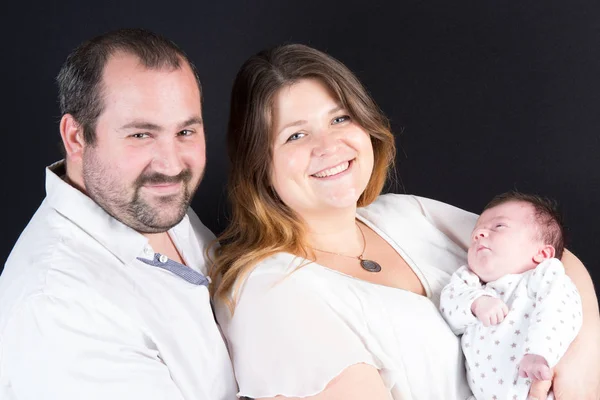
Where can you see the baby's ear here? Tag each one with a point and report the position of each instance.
(545, 252)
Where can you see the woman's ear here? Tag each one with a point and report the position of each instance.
(72, 136)
(545, 252)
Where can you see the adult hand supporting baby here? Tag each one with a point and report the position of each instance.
(539, 390)
(577, 376)
(489, 310)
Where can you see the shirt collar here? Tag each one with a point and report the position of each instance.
(121, 240)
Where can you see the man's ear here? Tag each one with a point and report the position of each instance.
(545, 252)
(72, 136)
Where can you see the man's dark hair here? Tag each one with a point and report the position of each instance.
(80, 78)
(546, 214)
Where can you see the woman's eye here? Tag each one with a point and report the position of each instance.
(500, 226)
(296, 136)
(339, 120)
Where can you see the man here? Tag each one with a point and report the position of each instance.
(104, 295)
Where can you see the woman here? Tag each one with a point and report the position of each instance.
(327, 289)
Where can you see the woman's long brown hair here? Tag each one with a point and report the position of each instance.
(261, 224)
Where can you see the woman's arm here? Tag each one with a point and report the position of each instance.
(580, 366)
(577, 375)
(357, 382)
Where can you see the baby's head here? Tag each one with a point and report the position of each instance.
(514, 234)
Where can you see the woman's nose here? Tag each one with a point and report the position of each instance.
(326, 144)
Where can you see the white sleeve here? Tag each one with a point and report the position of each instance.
(557, 315)
(58, 349)
(287, 339)
(454, 222)
(457, 298)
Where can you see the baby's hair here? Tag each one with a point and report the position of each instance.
(547, 216)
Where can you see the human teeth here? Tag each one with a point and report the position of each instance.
(333, 171)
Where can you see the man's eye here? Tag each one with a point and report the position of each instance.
(339, 120)
(296, 136)
(186, 132)
(140, 135)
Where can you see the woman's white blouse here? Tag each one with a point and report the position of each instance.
(295, 329)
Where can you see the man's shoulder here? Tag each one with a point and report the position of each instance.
(39, 243)
(53, 257)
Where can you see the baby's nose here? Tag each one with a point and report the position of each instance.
(480, 233)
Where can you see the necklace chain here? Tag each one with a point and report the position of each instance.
(367, 265)
(359, 257)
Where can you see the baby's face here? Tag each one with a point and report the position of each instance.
(504, 241)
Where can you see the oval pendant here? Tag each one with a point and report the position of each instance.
(370, 265)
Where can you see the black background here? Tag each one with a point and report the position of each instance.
(484, 96)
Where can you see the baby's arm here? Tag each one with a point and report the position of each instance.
(463, 292)
(555, 319)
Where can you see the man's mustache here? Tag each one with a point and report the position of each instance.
(160, 179)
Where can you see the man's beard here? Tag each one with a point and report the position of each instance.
(128, 205)
(150, 216)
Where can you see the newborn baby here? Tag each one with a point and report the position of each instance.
(515, 307)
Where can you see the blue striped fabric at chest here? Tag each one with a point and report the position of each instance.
(186, 273)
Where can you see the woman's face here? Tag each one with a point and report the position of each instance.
(322, 159)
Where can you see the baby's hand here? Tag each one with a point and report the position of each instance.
(489, 310)
(535, 367)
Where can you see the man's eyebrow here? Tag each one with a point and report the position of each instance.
(149, 126)
(143, 125)
(191, 121)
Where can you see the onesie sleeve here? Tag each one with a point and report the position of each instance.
(458, 296)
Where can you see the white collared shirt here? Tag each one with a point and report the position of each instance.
(82, 317)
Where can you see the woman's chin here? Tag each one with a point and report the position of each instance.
(340, 201)
(327, 202)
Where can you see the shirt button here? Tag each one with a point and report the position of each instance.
(148, 251)
(163, 259)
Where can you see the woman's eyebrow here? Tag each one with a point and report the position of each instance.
(336, 109)
(295, 123)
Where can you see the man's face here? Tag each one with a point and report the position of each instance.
(505, 241)
(149, 154)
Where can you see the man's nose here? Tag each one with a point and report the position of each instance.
(167, 159)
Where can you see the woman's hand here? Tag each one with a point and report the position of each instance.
(576, 376)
